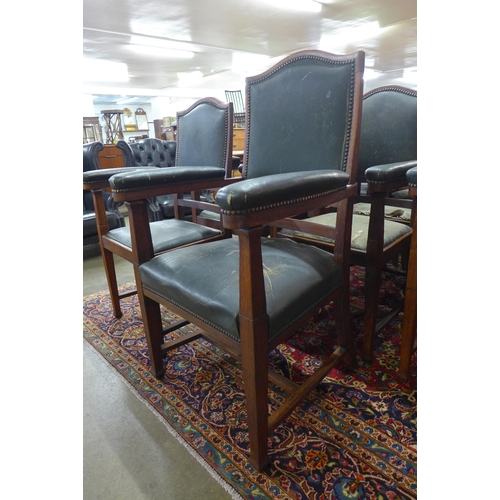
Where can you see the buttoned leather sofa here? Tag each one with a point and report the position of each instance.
(154, 152)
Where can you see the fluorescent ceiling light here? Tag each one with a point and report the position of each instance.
(350, 34)
(159, 52)
(410, 75)
(189, 78)
(247, 63)
(370, 74)
(126, 100)
(97, 70)
(300, 5)
(160, 47)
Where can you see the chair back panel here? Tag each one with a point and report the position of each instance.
(388, 127)
(204, 135)
(298, 115)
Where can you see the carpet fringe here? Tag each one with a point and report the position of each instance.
(234, 494)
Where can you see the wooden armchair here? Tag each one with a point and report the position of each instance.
(212, 163)
(389, 141)
(248, 294)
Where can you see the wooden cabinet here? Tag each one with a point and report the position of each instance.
(238, 139)
(111, 157)
(91, 129)
(164, 132)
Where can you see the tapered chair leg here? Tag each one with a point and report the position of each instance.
(109, 267)
(408, 334)
(107, 256)
(254, 353)
(153, 330)
(254, 328)
(373, 272)
(344, 330)
(410, 311)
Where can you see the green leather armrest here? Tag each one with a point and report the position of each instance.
(136, 181)
(95, 179)
(390, 173)
(279, 189)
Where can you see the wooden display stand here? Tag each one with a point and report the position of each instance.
(113, 125)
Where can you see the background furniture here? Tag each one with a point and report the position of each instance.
(111, 157)
(128, 120)
(91, 129)
(236, 97)
(163, 131)
(247, 295)
(159, 153)
(112, 125)
(141, 119)
(238, 139)
(113, 217)
(153, 153)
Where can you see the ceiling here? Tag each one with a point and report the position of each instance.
(196, 48)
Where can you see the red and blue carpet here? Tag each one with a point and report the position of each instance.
(353, 438)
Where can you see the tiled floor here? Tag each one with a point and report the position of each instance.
(128, 454)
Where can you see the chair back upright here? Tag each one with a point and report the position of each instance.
(388, 127)
(205, 136)
(306, 123)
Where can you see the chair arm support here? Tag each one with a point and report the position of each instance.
(388, 177)
(262, 193)
(98, 179)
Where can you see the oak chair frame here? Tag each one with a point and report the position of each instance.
(249, 227)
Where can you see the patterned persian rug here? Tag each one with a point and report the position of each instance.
(353, 438)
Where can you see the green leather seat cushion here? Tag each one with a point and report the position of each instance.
(167, 234)
(392, 230)
(204, 281)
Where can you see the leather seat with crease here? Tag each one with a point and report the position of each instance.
(388, 148)
(114, 217)
(204, 142)
(248, 294)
